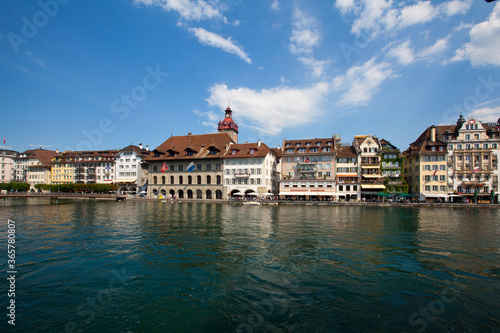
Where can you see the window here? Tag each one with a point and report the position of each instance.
(252, 151)
(181, 167)
(301, 150)
(442, 178)
(459, 147)
(208, 167)
(435, 188)
(289, 151)
(467, 136)
(427, 188)
(442, 167)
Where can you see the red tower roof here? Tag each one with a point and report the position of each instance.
(228, 122)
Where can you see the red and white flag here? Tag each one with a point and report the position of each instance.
(476, 169)
(434, 172)
(164, 167)
(4, 139)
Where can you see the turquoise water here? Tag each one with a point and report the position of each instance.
(162, 267)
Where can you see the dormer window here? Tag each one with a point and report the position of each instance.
(234, 151)
(213, 151)
(252, 151)
(157, 154)
(308, 144)
(171, 153)
(297, 144)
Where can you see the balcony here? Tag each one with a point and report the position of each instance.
(370, 163)
(242, 175)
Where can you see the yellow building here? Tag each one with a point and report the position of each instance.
(62, 169)
(425, 167)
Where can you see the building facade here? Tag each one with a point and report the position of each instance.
(347, 174)
(308, 169)
(473, 150)
(7, 166)
(84, 167)
(251, 169)
(131, 171)
(33, 167)
(189, 167)
(425, 167)
(392, 169)
(368, 150)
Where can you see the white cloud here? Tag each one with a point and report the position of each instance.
(403, 53)
(373, 11)
(317, 66)
(379, 16)
(489, 115)
(484, 45)
(275, 5)
(345, 5)
(418, 13)
(211, 39)
(187, 9)
(361, 82)
(305, 35)
(438, 47)
(211, 116)
(271, 110)
(456, 7)
(407, 55)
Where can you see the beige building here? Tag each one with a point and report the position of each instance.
(425, 167)
(33, 166)
(7, 165)
(348, 184)
(189, 167)
(308, 169)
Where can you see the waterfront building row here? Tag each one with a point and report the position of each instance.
(449, 163)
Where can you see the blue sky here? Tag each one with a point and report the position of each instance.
(97, 74)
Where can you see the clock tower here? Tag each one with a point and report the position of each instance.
(229, 126)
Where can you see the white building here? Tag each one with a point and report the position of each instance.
(131, 173)
(7, 165)
(473, 150)
(251, 169)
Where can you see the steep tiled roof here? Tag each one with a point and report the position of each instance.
(44, 156)
(313, 143)
(142, 152)
(200, 145)
(243, 150)
(346, 152)
(423, 143)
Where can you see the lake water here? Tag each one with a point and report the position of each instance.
(192, 267)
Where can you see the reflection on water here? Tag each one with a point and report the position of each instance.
(161, 267)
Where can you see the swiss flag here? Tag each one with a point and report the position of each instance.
(164, 167)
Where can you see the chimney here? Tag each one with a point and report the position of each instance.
(258, 143)
(147, 147)
(189, 133)
(433, 133)
(57, 151)
(279, 147)
(140, 145)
